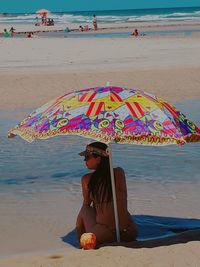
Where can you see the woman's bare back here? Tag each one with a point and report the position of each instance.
(104, 225)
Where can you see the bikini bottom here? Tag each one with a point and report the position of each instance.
(105, 233)
(128, 234)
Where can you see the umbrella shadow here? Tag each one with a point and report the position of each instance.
(154, 231)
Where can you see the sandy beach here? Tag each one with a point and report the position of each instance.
(33, 71)
(43, 68)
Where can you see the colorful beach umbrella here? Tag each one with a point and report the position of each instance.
(42, 11)
(110, 114)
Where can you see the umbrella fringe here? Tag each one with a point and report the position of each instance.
(191, 138)
(140, 139)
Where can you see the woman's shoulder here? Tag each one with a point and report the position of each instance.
(119, 170)
(86, 177)
(120, 182)
(119, 174)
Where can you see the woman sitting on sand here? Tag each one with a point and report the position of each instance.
(135, 33)
(97, 212)
(30, 35)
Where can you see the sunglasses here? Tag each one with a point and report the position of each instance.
(89, 156)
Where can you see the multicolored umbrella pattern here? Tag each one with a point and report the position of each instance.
(110, 114)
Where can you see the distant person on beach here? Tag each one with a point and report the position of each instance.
(67, 29)
(49, 22)
(86, 28)
(81, 28)
(30, 35)
(135, 33)
(37, 21)
(12, 30)
(97, 213)
(95, 22)
(44, 19)
(6, 33)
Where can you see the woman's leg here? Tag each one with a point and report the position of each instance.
(86, 220)
(86, 223)
(80, 229)
(104, 234)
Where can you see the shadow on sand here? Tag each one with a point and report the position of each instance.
(154, 231)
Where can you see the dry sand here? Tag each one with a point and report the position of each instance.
(175, 255)
(32, 71)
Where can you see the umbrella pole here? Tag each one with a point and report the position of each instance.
(114, 194)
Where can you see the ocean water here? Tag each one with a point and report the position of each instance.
(54, 164)
(112, 16)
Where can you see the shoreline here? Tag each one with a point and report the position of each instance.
(106, 27)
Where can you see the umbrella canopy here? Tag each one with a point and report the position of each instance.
(110, 114)
(42, 11)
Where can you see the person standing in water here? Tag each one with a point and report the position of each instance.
(95, 22)
(97, 213)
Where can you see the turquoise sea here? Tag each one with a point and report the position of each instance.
(111, 16)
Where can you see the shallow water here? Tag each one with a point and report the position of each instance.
(124, 34)
(54, 164)
(127, 34)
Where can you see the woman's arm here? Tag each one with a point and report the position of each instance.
(86, 195)
(120, 182)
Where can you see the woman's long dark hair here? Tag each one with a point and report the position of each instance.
(100, 182)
